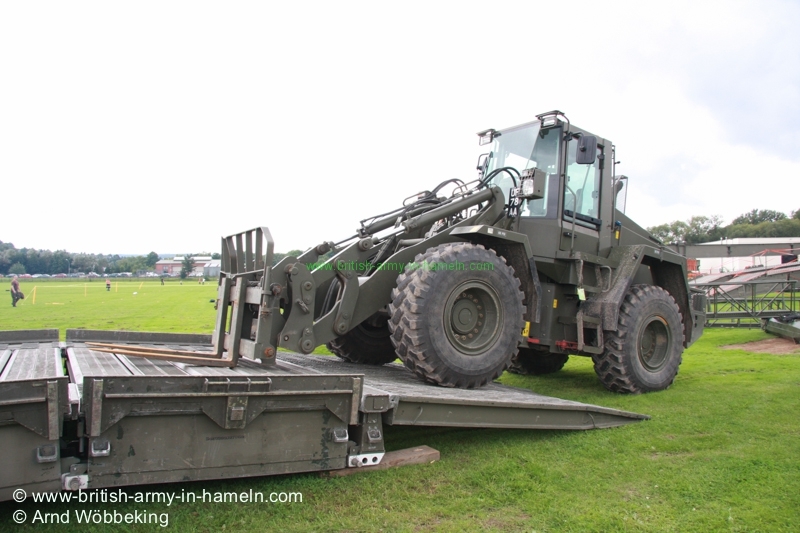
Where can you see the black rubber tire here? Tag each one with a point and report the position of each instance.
(446, 350)
(369, 343)
(535, 363)
(644, 354)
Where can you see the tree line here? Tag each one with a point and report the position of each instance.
(696, 230)
(31, 261)
(756, 223)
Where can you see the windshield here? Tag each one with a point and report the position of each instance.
(525, 147)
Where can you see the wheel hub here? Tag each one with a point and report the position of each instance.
(654, 342)
(465, 315)
(472, 317)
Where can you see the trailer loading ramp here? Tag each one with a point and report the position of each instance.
(415, 403)
(85, 419)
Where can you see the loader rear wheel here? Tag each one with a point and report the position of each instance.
(534, 363)
(644, 354)
(369, 343)
(456, 317)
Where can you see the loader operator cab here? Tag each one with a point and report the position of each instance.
(539, 145)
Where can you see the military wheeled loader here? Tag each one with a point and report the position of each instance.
(532, 262)
(529, 264)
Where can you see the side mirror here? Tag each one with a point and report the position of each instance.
(587, 150)
(482, 160)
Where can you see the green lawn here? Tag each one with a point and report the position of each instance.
(721, 452)
(131, 304)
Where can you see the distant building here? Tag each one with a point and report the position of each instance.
(713, 265)
(173, 266)
(212, 268)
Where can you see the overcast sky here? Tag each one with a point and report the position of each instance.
(130, 127)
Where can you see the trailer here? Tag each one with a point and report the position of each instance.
(74, 418)
(786, 326)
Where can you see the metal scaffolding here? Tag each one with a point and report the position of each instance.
(747, 303)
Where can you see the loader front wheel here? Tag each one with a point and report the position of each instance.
(368, 343)
(534, 363)
(644, 354)
(456, 315)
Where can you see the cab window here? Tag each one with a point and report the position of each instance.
(582, 190)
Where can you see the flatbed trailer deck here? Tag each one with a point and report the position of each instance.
(74, 418)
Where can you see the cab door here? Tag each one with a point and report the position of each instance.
(580, 213)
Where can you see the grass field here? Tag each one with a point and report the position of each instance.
(721, 452)
(131, 304)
